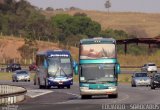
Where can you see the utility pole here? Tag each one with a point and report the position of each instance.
(107, 5)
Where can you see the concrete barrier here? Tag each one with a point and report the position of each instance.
(11, 94)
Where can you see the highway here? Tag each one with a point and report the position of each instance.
(69, 99)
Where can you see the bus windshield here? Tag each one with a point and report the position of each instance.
(93, 51)
(59, 66)
(95, 73)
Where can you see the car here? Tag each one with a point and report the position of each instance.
(13, 67)
(140, 79)
(21, 75)
(33, 67)
(155, 81)
(149, 67)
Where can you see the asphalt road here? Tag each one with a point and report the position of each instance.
(69, 99)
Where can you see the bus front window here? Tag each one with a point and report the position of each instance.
(59, 66)
(97, 73)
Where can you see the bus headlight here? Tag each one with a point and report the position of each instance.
(84, 88)
(113, 87)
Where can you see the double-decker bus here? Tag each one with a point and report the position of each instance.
(98, 67)
(54, 68)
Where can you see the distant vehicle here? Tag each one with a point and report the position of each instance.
(21, 75)
(140, 79)
(149, 67)
(13, 67)
(155, 82)
(32, 67)
(54, 68)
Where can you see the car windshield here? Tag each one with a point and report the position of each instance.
(59, 66)
(151, 65)
(95, 73)
(141, 75)
(157, 77)
(22, 73)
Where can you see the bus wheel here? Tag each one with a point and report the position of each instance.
(41, 87)
(86, 96)
(113, 96)
(48, 87)
(68, 87)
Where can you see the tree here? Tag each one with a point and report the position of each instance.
(137, 32)
(107, 5)
(49, 9)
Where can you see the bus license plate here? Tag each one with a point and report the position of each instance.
(60, 82)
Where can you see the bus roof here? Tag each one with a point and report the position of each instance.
(49, 52)
(98, 40)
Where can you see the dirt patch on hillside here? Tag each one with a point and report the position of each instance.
(9, 47)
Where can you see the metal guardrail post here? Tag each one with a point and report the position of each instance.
(11, 94)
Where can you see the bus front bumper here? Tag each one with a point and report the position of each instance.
(86, 91)
(60, 83)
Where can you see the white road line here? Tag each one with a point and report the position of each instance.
(119, 100)
(37, 93)
(76, 95)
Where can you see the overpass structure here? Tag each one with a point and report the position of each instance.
(147, 41)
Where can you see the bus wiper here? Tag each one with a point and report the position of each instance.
(93, 81)
(55, 73)
(64, 72)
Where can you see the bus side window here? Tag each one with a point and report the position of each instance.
(45, 64)
(40, 61)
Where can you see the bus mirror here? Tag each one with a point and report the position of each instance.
(45, 64)
(76, 69)
(118, 68)
(74, 63)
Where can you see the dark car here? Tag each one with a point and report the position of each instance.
(13, 67)
(155, 81)
(32, 67)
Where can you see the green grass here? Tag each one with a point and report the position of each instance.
(122, 78)
(5, 76)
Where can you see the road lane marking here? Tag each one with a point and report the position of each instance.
(37, 93)
(123, 99)
(78, 96)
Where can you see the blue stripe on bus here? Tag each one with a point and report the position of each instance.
(98, 61)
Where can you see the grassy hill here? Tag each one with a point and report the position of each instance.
(9, 47)
(145, 24)
(9, 50)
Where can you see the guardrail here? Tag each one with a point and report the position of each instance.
(11, 94)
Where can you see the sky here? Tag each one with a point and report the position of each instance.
(149, 6)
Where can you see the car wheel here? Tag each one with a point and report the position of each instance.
(152, 87)
(133, 85)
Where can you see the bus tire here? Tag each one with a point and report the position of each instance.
(68, 87)
(86, 96)
(113, 96)
(48, 87)
(41, 87)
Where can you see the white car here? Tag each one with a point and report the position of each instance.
(149, 67)
(21, 75)
(140, 79)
